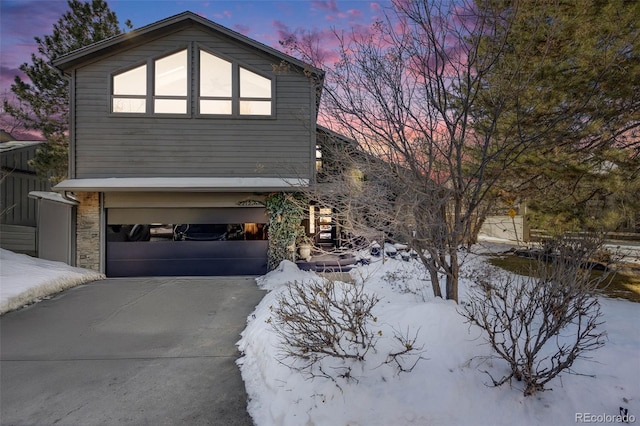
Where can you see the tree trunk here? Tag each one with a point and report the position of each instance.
(435, 281)
(433, 269)
(453, 276)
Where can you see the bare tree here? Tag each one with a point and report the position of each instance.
(427, 139)
(404, 94)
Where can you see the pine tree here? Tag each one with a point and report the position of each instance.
(44, 99)
(579, 114)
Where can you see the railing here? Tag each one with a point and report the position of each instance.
(540, 235)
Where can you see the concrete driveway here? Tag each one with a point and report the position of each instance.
(139, 351)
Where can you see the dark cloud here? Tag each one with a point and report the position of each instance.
(21, 22)
(330, 6)
(24, 20)
(7, 75)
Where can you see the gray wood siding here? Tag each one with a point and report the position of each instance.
(17, 179)
(134, 146)
(18, 239)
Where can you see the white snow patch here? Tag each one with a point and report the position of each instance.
(24, 279)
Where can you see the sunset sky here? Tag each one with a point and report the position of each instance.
(265, 21)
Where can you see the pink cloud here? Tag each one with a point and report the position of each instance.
(224, 14)
(374, 6)
(320, 47)
(242, 29)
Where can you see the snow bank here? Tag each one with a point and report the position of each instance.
(24, 279)
(450, 386)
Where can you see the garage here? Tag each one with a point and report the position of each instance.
(186, 241)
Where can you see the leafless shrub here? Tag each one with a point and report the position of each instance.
(324, 318)
(541, 324)
(408, 354)
(325, 330)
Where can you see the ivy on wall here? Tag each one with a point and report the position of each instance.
(285, 215)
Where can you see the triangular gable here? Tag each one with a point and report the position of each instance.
(162, 27)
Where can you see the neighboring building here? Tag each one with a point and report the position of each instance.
(178, 132)
(5, 136)
(18, 214)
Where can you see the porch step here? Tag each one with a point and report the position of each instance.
(328, 263)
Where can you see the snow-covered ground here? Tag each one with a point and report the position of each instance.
(447, 387)
(24, 279)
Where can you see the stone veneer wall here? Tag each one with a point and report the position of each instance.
(88, 231)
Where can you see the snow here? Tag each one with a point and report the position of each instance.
(448, 385)
(24, 279)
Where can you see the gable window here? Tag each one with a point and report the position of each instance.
(169, 80)
(227, 88)
(163, 84)
(170, 84)
(255, 94)
(216, 94)
(130, 91)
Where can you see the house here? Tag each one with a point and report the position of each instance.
(18, 213)
(178, 132)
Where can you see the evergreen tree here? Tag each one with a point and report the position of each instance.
(45, 98)
(579, 112)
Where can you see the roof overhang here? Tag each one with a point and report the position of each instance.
(191, 184)
(52, 196)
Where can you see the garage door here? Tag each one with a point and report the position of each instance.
(186, 241)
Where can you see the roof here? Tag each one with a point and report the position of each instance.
(190, 184)
(335, 135)
(5, 136)
(52, 196)
(14, 145)
(158, 29)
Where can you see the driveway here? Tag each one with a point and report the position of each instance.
(139, 351)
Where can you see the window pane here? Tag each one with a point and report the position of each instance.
(255, 107)
(215, 76)
(171, 75)
(185, 232)
(253, 85)
(208, 106)
(132, 105)
(132, 82)
(170, 106)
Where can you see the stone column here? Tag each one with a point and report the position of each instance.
(88, 231)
